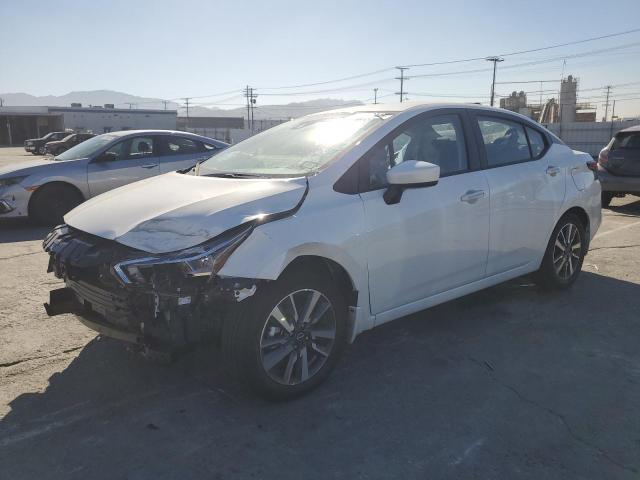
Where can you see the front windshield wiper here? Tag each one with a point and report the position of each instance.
(233, 175)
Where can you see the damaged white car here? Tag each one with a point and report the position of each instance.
(286, 246)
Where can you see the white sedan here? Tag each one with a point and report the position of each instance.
(286, 246)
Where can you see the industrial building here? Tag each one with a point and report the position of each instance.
(565, 109)
(19, 123)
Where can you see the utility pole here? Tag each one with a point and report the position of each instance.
(165, 103)
(131, 104)
(606, 105)
(613, 111)
(186, 104)
(251, 101)
(495, 61)
(402, 79)
(375, 96)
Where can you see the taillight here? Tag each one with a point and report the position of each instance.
(603, 158)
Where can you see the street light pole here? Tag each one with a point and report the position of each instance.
(495, 61)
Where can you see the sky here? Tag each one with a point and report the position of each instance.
(212, 49)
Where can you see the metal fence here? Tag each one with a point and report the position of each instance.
(589, 137)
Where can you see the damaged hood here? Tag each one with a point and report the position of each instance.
(175, 211)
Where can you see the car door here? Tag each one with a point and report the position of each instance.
(527, 191)
(435, 239)
(181, 152)
(133, 159)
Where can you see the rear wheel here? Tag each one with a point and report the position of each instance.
(565, 253)
(606, 198)
(51, 202)
(286, 339)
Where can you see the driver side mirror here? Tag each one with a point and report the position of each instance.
(409, 174)
(106, 157)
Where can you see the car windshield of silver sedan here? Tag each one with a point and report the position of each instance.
(296, 148)
(86, 148)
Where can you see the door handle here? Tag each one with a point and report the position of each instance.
(552, 170)
(149, 165)
(472, 196)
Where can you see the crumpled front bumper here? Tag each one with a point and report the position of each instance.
(169, 313)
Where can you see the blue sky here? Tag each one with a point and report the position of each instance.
(171, 49)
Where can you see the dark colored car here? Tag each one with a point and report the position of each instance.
(36, 145)
(59, 146)
(619, 165)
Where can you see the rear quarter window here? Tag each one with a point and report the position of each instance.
(626, 140)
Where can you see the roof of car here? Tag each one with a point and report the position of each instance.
(635, 128)
(126, 133)
(395, 108)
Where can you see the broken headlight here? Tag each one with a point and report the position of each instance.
(202, 260)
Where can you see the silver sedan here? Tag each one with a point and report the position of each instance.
(48, 188)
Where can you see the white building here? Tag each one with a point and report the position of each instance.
(19, 123)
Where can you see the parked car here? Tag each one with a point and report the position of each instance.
(619, 165)
(287, 245)
(36, 145)
(47, 189)
(59, 146)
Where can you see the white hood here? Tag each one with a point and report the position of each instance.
(176, 211)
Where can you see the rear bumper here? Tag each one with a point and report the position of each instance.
(617, 183)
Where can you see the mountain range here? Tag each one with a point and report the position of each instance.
(125, 100)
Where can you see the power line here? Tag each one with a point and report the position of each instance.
(520, 52)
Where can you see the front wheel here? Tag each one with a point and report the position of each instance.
(41, 150)
(51, 202)
(285, 341)
(565, 253)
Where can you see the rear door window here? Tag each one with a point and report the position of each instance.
(504, 141)
(181, 146)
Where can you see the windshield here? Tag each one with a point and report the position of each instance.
(295, 148)
(86, 148)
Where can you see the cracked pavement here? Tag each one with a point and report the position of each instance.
(510, 382)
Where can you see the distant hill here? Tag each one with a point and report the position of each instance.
(121, 100)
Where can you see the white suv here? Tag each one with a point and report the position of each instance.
(286, 246)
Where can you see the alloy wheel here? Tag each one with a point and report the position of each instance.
(567, 251)
(297, 337)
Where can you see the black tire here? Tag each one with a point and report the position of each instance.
(605, 198)
(51, 202)
(41, 150)
(246, 327)
(558, 270)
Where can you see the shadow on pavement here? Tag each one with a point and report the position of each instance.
(20, 230)
(509, 382)
(632, 208)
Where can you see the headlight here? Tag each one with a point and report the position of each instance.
(203, 260)
(5, 182)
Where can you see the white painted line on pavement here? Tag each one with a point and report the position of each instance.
(598, 235)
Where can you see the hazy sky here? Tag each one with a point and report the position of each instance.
(171, 49)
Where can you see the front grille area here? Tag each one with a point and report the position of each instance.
(111, 306)
(84, 262)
